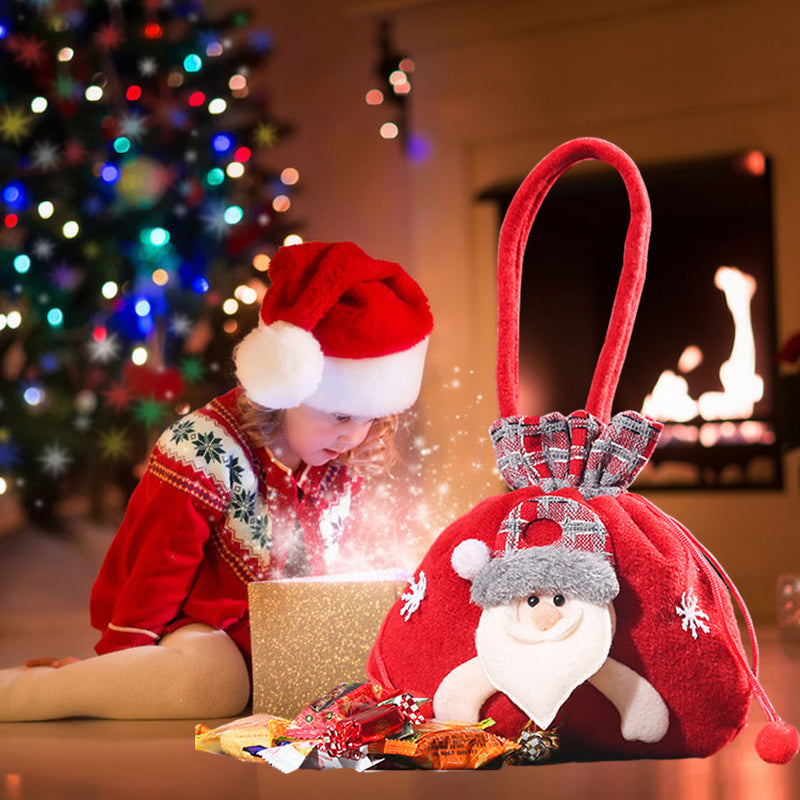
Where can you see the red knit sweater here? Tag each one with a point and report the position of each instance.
(211, 514)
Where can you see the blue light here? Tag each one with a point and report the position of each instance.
(142, 308)
(14, 195)
(33, 395)
(3, 31)
(222, 143)
(109, 173)
(200, 285)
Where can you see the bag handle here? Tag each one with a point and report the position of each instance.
(513, 238)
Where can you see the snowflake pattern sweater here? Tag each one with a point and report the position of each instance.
(210, 515)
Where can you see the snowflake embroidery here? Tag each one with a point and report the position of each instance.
(182, 431)
(413, 596)
(692, 614)
(242, 505)
(235, 470)
(208, 447)
(262, 531)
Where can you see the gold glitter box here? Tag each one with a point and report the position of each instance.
(308, 635)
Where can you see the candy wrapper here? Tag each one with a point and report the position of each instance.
(359, 726)
(342, 701)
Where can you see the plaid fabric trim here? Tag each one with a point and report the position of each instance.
(555, 452)
(581, 528)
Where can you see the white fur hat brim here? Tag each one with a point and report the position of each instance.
(370, 387)
(282, 366)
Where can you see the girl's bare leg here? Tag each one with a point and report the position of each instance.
(195, 672)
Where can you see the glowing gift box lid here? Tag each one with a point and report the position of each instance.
(310, 634)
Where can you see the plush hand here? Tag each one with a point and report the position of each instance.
(643, 714)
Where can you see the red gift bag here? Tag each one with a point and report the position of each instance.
(569, 609)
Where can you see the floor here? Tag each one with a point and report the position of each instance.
(44, 581)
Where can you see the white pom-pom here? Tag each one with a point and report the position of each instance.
(279, 365)
(470, 557)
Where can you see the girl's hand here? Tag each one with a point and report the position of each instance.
(51, 662)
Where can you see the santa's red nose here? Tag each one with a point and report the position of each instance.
(544, 616)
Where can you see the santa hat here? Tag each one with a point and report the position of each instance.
(339, 331)
(546, 545)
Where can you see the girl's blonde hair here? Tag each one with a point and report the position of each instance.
(375, 454)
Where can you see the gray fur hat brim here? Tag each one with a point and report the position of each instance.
(545, 570)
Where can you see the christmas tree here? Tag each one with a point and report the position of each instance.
(138, 218)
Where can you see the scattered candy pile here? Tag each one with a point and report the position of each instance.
(361, 726)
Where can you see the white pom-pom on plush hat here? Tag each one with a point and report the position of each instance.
(279, 365)
(469, 558)
(338, 330)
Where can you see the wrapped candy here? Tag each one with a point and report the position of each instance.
(342, 701)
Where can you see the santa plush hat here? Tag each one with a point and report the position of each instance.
(339, 331)
(546, 545)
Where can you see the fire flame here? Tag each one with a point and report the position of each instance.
(742, 388)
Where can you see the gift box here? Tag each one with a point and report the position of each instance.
(310, 634)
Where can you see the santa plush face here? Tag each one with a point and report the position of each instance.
(538, 648)
(547, 620)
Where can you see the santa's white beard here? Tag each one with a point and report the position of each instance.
(538, 677)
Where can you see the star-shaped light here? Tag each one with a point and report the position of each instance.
(148, 66)
(66, 277)
(213, 217)
(105, 350)
(109, 36)
(117, 397)
(192, 369)
(132, 125)
(180, 325)
(149, 411)
(27, 50)
(74, 152)
(265, 134)
(114, 444)
(15, 124)
(65, 87)
(55, 459)
(43, 249)
(44, 155)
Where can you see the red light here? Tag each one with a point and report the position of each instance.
(196, 99)
(242, 154)
(134, 93)
(11, 220)
(153, 30)
(99, 334)
(754, 162)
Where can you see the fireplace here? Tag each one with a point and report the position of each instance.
(701, 358)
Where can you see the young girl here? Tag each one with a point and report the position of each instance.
(261, 483)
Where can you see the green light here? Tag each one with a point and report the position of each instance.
(159, 237)
(122, 144)
(55, 316)
(215, 176)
